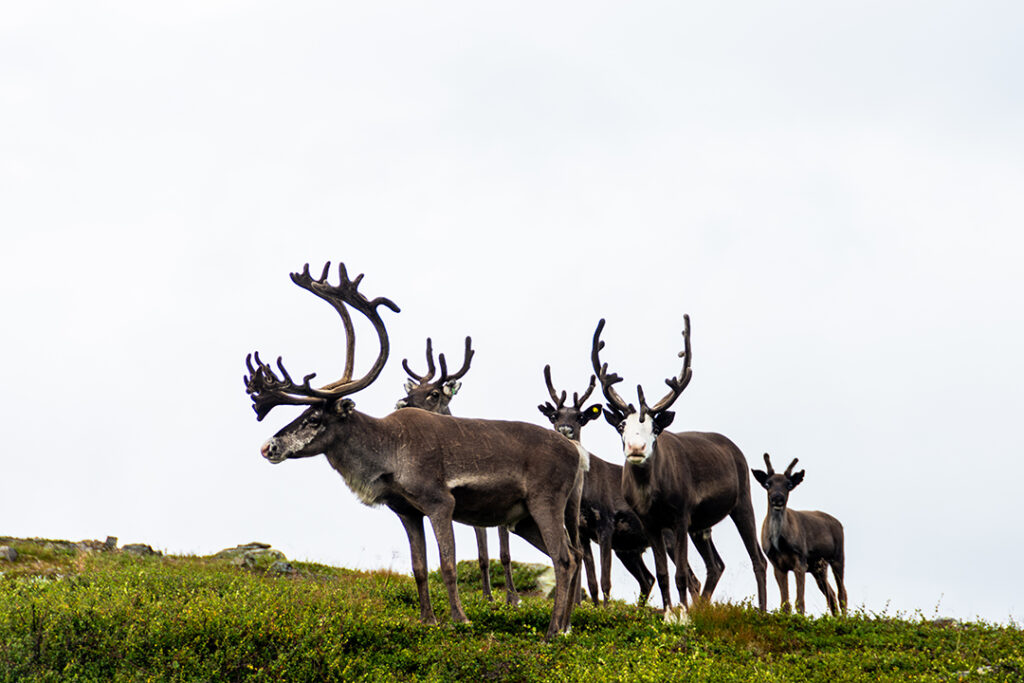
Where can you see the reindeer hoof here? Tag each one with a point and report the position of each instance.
(679, 616)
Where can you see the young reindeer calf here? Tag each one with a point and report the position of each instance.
(800, 540)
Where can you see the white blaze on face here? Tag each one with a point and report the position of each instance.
(637, 438)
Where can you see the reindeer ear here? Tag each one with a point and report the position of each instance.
(451, 387)
(613, 418)
(795, 479)
(549, 411)
(662, 420)
(344, 407)
(761, 476)
(409, 386)
(589, 414)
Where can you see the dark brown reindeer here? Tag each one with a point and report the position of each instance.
(420, 464)
(605, 517)
(423, 391)
(800, 541)
(685, 482)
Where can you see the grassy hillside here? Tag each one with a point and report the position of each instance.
(67, 615)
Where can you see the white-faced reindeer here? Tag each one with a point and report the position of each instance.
(420, 464)
(685, 482)
(800, 541)
(423, 391)
(605, 517)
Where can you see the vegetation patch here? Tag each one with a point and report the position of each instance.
(69, 615)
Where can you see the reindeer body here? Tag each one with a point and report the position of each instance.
(421, 464)
(800, 541)
(691, 482)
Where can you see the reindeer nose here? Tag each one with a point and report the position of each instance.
(635, 448)
(268, 449)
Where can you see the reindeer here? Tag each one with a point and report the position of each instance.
(423, 391)
(685, 482)
(800, 540)
(421, 464)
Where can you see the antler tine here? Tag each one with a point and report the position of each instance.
(346, 292)
(465, 363)
(559, 401)
(789, 470)
(768, 463)
(430, 366)
(578, 401)
(677, 384)
(607, 381)
(268, 391)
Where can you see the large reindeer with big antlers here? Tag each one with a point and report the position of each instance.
(427, 393)
(421, 464)
(685, 482)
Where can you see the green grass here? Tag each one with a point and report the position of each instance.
(67, 616)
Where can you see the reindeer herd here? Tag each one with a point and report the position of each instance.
(541, 484)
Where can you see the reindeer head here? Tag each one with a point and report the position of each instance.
(777, 485)
(435, 395)
(565, 420)
(640, 428)
(317, 427)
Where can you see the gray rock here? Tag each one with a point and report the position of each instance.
(8, 554)
(251, 555)
(140, 549)
(281, 567)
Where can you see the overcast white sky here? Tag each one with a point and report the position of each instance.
(832, 191)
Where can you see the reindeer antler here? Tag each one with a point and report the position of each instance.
(559, 400)
(268, 391)
(445, 377)
(578, 401)
(768, 464)
(607, 380)
(675, 384)
(789, 470)
(422, 379)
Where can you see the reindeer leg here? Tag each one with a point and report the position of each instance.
(634, 563)
(661, 568)
(588, 562)
(692, 582)
(837, 572)
(441, 521)
(683, 571)
(743, 517)
(782, 578)
(820, 573)
(713, 563)
(484, 559)
(418, 549)
(571, 532)
(553, 532)
(511, 597)
(606, 566)
(799, 572)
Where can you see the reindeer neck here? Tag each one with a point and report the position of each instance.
(776, 526)
(363, 453)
